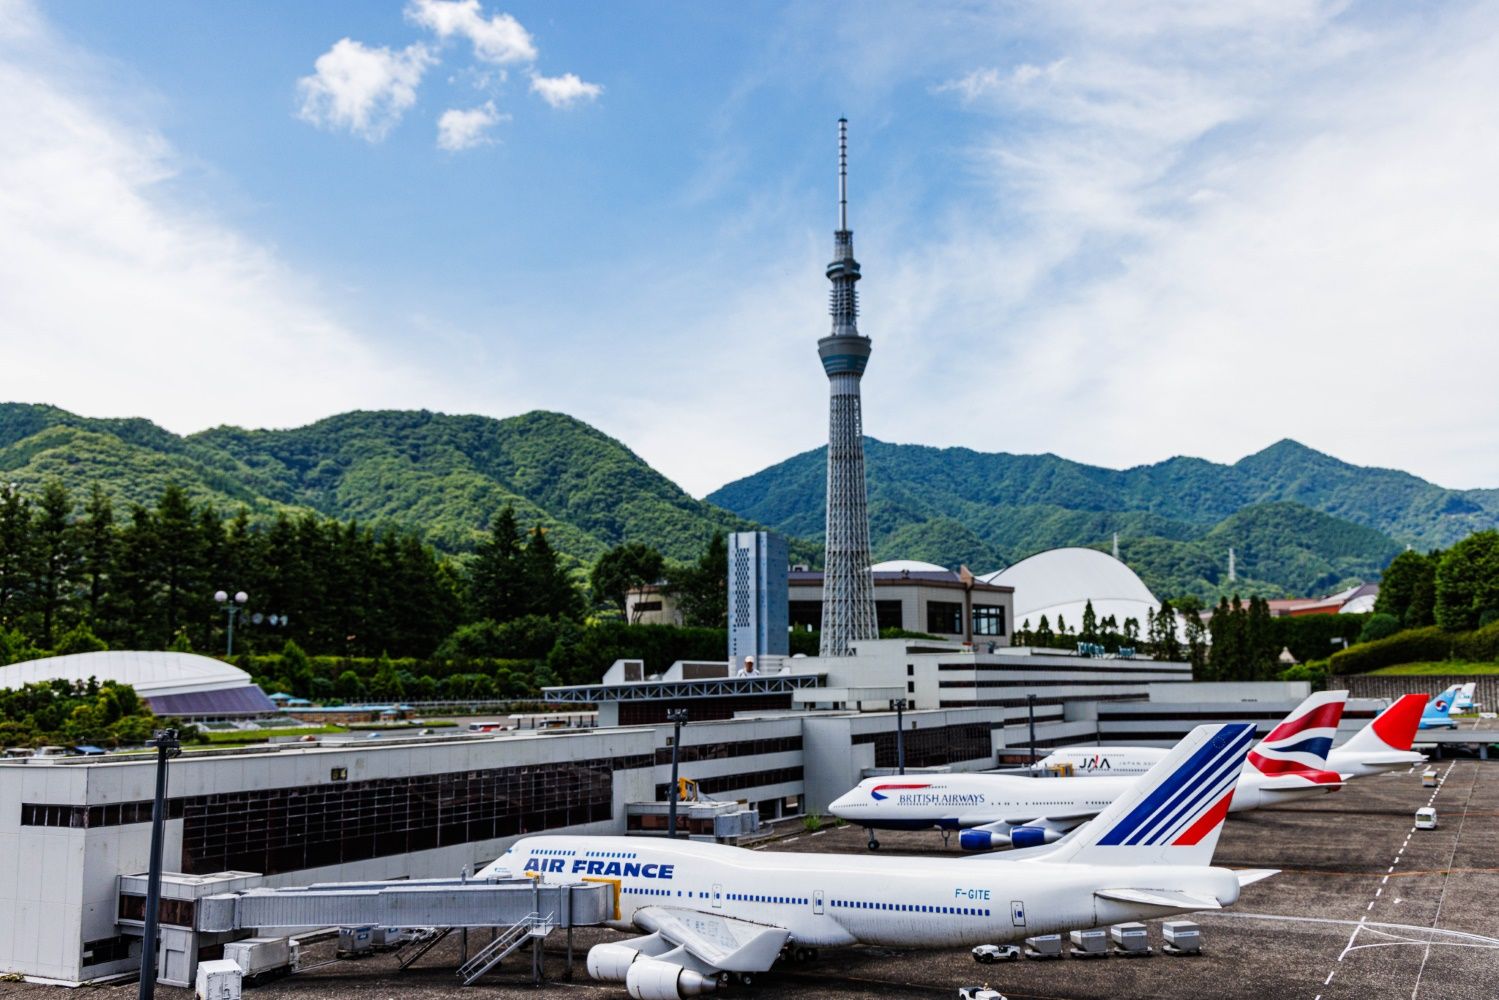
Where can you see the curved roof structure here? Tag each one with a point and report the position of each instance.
(1062, 582)
(174, 683)
(908, 566)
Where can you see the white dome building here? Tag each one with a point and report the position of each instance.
(907, 566)
(1060, 582)
(176, 684)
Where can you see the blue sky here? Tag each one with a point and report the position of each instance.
(1116, 232)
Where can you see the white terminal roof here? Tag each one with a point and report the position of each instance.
(151, 673)
(1062, 582)
(907, 566)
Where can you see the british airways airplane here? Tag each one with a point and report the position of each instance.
(1006, 810)
(1384, 744)
(703, 911)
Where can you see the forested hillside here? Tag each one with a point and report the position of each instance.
(441, 476)
(1300, 521)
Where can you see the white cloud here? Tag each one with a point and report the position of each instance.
(116, 301)
(564, 91)
(464, 129)
(364, 90)
(1233, 225)
(499, 39)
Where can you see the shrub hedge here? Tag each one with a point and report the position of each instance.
(1418, 645)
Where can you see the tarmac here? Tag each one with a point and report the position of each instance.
(1365, 908)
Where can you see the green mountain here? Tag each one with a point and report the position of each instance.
(444, 476)
(1300, 521)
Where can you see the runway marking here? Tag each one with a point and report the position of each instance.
(1328, 980)
(1465, 938)
(1442, 896)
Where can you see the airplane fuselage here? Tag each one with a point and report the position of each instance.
(837, 900)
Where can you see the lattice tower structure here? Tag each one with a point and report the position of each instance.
(848, 612)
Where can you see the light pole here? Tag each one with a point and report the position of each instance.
(231, 608)
(900, 735)
(1030, 707)
(676, 716)
(167, 746)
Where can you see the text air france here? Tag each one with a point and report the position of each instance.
(585, 866)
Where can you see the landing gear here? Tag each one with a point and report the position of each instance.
(874, 845)
(745, 978)
(946, 838)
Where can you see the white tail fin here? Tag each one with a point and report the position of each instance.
(1393, 729)
(1173, 814)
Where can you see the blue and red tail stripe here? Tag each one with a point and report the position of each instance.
(1180, 805)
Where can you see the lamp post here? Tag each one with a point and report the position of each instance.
(167, 746)
(676, 716)
(1030, 707)
(231, 608)
(900, 735)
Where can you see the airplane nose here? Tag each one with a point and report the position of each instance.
(840, 805)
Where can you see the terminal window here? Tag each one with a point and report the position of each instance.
(944, 617)
(313, 826)
(988, 619)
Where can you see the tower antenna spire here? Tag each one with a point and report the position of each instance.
(843, 175)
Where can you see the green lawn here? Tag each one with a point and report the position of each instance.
(1440, 667)
(234, 736)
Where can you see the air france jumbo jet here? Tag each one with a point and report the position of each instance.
(706, 910)
(1384, 744)
(1437, 714)
(1006, 810)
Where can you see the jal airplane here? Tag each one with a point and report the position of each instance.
(1007, 810)
(1384, 744)
(704, 911)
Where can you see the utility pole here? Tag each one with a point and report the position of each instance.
(676, 716)
(167, 746)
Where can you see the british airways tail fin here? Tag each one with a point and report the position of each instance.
(1173, 814)
(1299, 744)
(1393, 729)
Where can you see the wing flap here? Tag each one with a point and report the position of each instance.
(1170, 898)
(720, 942)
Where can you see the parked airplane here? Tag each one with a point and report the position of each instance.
(1004, 810)
(1437, 714)
(1464, 701)
(708, 910)
(1384, 744)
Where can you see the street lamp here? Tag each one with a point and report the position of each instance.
(167, 746)
(231, 608)
(676, 716)
(900, 735)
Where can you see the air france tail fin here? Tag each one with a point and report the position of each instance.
(1299, 744)
(1393, 729)
(1173, 814)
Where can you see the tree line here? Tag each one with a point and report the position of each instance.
(79, 576)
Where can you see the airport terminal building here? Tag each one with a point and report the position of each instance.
(345, 810)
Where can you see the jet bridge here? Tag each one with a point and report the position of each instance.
(454, 903)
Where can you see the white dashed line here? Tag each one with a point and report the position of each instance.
(1328, 980)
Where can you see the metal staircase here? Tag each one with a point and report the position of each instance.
(533, 925)
(425, 941)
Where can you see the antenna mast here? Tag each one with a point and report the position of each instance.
(843, 175)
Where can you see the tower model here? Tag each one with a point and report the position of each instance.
(847, 587)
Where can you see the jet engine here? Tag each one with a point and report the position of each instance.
(611, 962)
(982, 840)
(650, 979)
(1033, 836)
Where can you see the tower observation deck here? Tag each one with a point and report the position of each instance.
(848, 612)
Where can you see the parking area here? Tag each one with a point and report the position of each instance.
(1365, 908)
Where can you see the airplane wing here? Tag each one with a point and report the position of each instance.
(1169, 898)
(1249, 876)
(1062, 820)
(724, 943)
